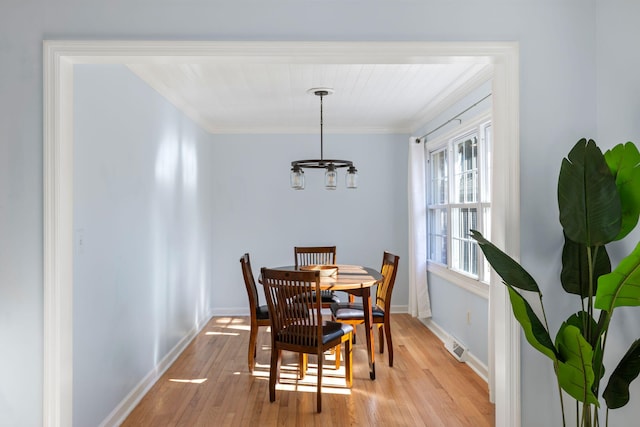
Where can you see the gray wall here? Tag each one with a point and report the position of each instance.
(462, 314)
(257, 212)
(143, 247)
(564, 45)
(618, 119)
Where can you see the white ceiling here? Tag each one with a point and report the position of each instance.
(273, 98)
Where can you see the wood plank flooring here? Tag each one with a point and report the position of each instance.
(210, 385)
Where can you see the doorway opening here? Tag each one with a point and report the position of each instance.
(59, 60)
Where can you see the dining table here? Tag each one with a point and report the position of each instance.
(356, 280)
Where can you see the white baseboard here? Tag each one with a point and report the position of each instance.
(120, 413)
(399, 308)
(474, 363)
(237, 311)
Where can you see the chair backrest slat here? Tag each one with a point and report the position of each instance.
(318, 255)
(388, 270)
(249, 282)
(296, 318)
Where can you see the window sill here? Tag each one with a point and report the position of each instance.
(467, 283)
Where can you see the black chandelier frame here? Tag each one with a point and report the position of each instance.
(330, 165)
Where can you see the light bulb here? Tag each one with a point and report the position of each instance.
(331, 177)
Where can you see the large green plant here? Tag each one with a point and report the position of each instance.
(599, 201)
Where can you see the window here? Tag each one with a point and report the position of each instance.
(458, 197)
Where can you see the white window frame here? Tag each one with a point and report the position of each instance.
(477, 125)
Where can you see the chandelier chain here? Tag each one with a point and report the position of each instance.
(321, 130)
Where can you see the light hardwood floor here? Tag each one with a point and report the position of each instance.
(210, 385)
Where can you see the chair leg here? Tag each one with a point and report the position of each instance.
(319, 389)
(253, 337)
(381, 338)
(273, 372)
(303, 365)
(387, 328)
(348, 362)
(336, 351)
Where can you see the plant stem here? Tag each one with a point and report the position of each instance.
(555, 363)
(586, 415)
(603, 341)
(555, 368)
(590, 261)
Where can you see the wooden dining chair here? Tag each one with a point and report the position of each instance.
(259, 313)
(317, 255)
(297, 325)
(353, 313)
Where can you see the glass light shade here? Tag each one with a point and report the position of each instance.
(330, 178)
(352, 177)
(297, 178)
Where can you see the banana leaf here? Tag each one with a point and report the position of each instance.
(580, 320)
(534, 330)
(590, 207)
(575, 372)
(584, 322)
(511, 272)
(621, 287)
(617, 392)
(575, 268)
(624, 164)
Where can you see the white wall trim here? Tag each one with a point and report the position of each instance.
(59, 57)
(474, 363)
(504, 331)
(58, 238)
(124, 408)
(400, 309)
(229, 312)
(477, 366)
(469, 284)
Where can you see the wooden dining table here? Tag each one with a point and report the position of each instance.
(356, 280)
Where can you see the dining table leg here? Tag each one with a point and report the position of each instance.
(368, 327)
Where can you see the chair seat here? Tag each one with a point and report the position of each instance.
(330, 331)
(262, 312)
(353, 311)
(328, 297)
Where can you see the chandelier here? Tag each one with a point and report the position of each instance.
(330, 175)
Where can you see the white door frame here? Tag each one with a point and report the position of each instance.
(59, 58)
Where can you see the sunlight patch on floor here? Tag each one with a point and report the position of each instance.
(311, 388)
(333, 380)
(233, 334)
(194, 381)
(240, 327)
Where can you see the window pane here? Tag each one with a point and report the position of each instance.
(486, 217)
(438, 235)
(459, 200)
(486, 171)
(464, 255)
(439, 178)
(466, 169)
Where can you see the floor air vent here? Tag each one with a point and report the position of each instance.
(456, 349)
